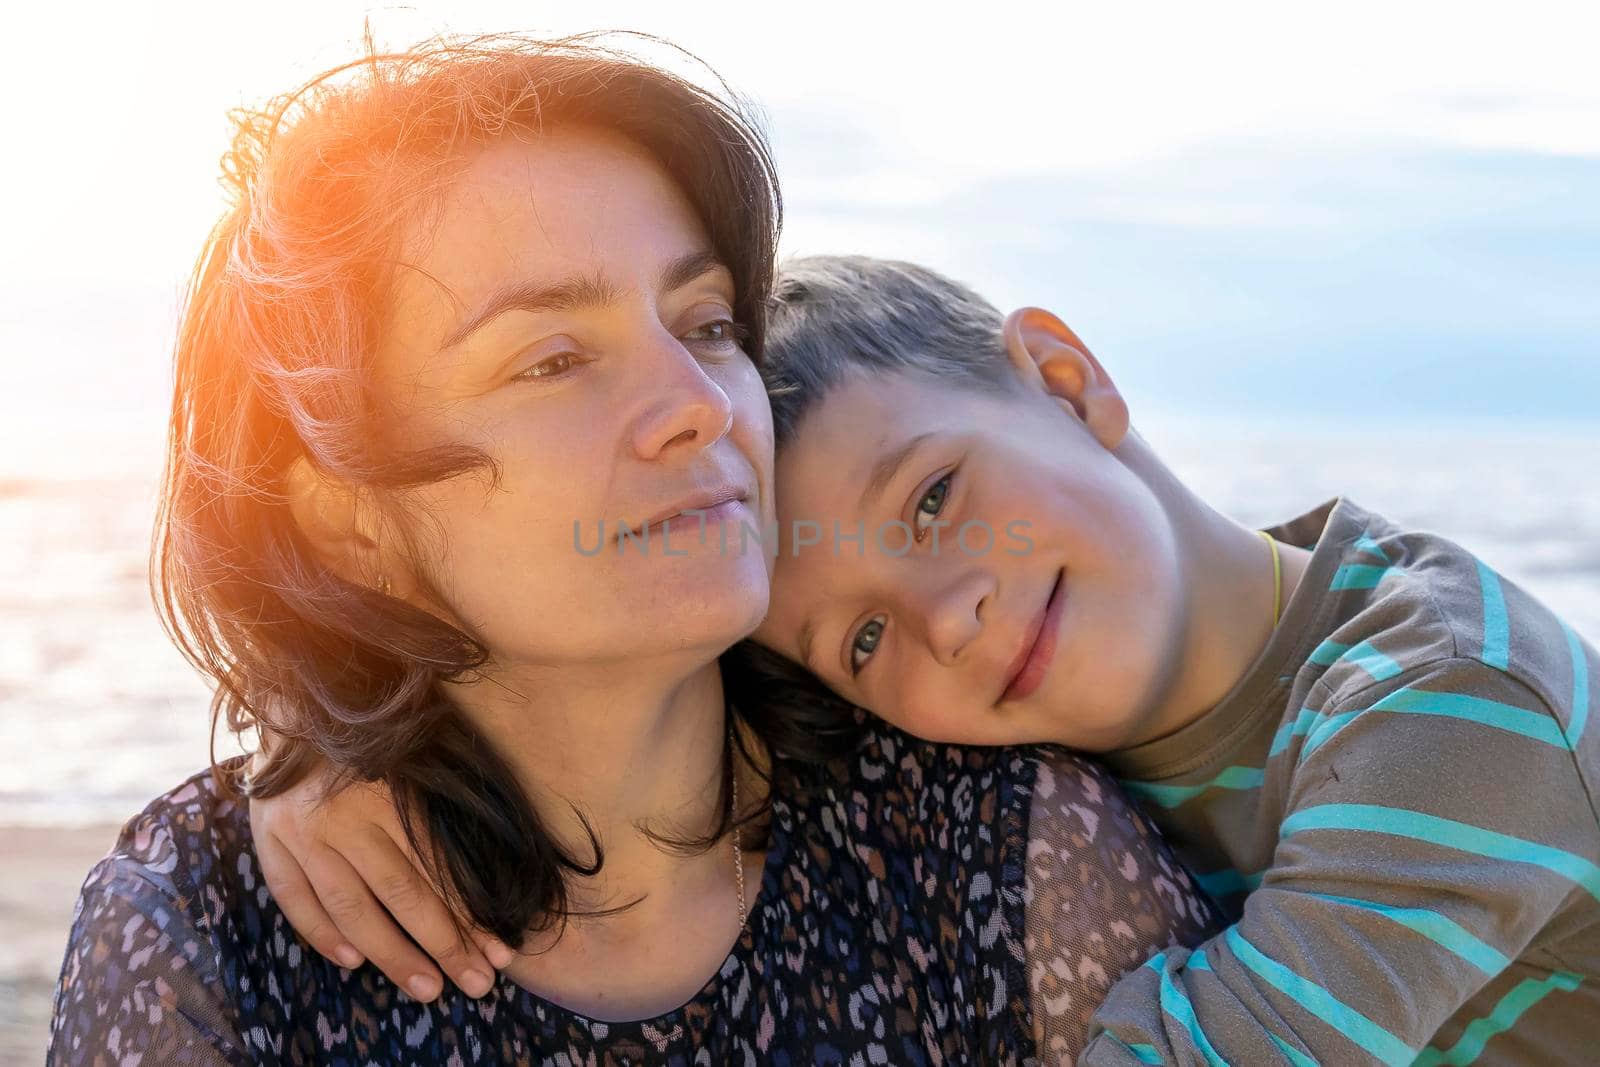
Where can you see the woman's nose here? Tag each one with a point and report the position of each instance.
(955, 610)
(686, 405)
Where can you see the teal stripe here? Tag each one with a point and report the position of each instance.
(1458, 835)
(1290, 730)
(1375, 663)
(1377, 1041)
(1580, 688)
(1226, 882)
(1323, 731)
(1358, 576)
(1496, 630)
(1436, 928)
(1511, 1007)
(1142, 1053)
(1175, 1002)
(1296, 1057)
(1366, 544)
(1197, 961)
(1362, 655)
(1170, 796)
(1328, 653)
(1540, 727)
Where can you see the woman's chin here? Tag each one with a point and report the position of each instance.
(690, 614)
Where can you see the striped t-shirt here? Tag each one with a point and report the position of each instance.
(1396, 809)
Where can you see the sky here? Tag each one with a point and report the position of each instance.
(1253, 213)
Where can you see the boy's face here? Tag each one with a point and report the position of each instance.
(1052, 616)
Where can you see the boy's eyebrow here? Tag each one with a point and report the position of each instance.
(577, 292)
(885, 469)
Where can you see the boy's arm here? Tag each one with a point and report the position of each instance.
(1434, 824)
(346, 877)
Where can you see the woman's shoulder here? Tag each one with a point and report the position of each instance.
(949, 826)
(144, 967)
(942, 829)
(885, 755)
(911, 850)
(947, 789)
(186, 839)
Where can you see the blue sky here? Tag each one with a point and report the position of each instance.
(1336, 277)
(1325, 279)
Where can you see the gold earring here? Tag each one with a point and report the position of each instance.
(383, 585)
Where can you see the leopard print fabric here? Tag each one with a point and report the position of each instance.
(1103, 894)
(920, 904)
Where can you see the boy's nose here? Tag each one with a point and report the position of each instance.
(955, 611)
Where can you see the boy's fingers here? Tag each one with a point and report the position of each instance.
(363, 922)
(417, 907)
(499, 955)
(494, 949)
(299, 903)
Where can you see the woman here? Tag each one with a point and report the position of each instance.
(476, 303)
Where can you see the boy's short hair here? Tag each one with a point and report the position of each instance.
(831, 315)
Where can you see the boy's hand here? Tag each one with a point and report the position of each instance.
(329, 865)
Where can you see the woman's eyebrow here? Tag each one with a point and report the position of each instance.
(571, 294)
(689, 268)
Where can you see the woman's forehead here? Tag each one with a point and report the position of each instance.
(580, 212)
(565, 202)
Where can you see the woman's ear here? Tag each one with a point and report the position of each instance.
(333, 520)
(1046, 354)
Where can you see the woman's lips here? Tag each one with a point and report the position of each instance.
(694, 521)
(1043, 649)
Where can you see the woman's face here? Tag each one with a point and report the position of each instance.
(564, 311)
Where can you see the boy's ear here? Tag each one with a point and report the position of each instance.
(1047, 354)
(335, 522)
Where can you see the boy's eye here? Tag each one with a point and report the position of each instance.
(932, 503)
(865, 642)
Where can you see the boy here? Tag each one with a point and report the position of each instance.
(1373, 744)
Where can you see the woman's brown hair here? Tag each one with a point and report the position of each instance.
(283, 311)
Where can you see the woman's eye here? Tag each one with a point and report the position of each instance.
(549, 368)
(866, 641)
(718, 332)
(932, 503)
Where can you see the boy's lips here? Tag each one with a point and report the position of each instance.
(1028, 668)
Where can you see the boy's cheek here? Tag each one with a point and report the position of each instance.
(916, 716)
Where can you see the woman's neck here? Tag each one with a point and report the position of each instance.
(618, 752)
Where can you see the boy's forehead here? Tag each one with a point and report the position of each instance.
(847, 443)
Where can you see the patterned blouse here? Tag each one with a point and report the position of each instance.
(920, 904)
